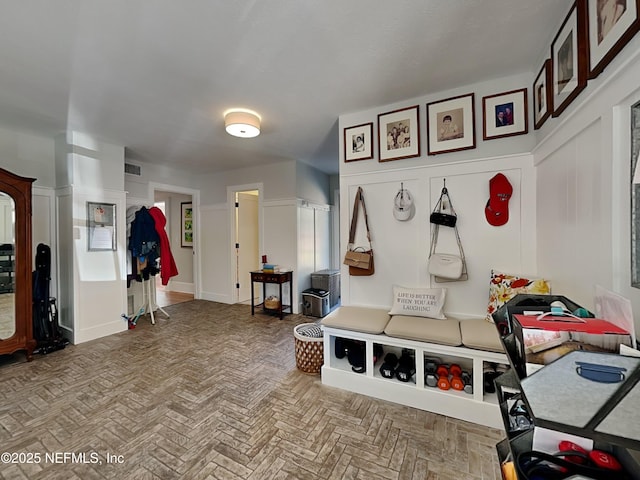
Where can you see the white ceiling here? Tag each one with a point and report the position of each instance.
(157, 75)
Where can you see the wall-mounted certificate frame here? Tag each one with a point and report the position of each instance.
(101, 222)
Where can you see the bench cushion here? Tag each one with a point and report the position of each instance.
(444, 332)
(480, 334)
(359, 319)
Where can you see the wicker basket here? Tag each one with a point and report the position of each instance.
(272, 303)
(309, 350)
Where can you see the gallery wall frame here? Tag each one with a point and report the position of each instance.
(101, 223)
(569, 58)
(505, 114)
(399, 134)
(186, 224)
(358, 142)
(451, 124)
(542, 95)
(611, 24)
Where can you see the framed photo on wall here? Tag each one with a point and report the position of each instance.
(505, 114)
(612, 23)
(451, 125)
(358, 142)
(101, 223)
(542, 95)
(399, 134)
(186, 224)
(569, 57)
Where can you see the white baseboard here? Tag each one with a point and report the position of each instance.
(182, 287)
(217, 297)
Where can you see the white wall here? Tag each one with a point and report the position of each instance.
(29, 156)
(484, 149)
(93, 283)
(138, 186)
(214, 257)
(279, 180)
(583, 194)
(314, 241)
(280, 241)
(401, 249)
(311, 184)
(570, 209)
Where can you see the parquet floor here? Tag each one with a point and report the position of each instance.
(214, 393)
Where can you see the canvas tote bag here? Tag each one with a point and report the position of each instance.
(359, 259)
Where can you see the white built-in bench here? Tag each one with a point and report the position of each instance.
(470, 343)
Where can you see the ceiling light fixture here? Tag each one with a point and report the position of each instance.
(242, 123)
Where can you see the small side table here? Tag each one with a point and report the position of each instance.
(277, 278)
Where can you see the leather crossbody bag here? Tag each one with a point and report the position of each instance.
(359, 259)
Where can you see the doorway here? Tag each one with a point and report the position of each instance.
(184, 286)
(245, 238)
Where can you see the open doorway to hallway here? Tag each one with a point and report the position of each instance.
(180, 288)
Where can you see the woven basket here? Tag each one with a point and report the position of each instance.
(309, 351)
(272, 303)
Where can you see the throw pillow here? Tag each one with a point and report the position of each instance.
(418, 302)
(503, 287)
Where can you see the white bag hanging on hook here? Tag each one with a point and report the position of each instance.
(445, 265)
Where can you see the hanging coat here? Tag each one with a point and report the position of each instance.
(144, 238)
(168, 267)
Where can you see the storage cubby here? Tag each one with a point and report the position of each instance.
(448, 361)
(398, 352)
(477, 406)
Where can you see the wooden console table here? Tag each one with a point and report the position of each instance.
(276, 278)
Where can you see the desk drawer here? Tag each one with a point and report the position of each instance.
(270, 277)
(257, 277)
(274, 278)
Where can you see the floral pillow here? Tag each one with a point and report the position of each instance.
(504, 287)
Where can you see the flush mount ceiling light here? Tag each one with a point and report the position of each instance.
(242, 123)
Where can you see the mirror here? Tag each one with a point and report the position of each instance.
(7, 267)
(635, 196)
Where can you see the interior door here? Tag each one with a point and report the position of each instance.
(247, 242)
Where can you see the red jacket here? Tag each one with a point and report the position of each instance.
(168, 267)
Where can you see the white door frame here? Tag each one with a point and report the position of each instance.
(231, 203)
(195, 200)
